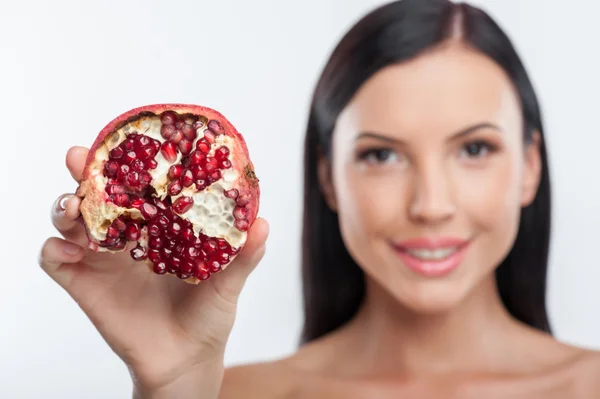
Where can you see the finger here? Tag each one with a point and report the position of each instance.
(230, 282)
(75, 161)
(65, 212)
(57, 258)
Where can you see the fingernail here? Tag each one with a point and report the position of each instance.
(62, 204)
(71, 249)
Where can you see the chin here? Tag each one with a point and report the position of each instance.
(428, 298)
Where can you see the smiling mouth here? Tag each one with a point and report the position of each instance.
(432, 257)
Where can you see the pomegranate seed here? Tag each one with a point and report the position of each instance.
(120, 244)
(189, 132)
(192, 252)
(209, 246)
(214, 266)
(175, 171)
(146, 153)
(173, 265)
(187, 268)
(214, 176)
(145, 177)
(143, 141)
(163, 221)
(160, 204)
(117, 153)
(155, 242)
(233, 251)
(154, 255)
(201, 271)
(149, 211)
(197, 172)
(239, 213)
(168, 151)
(188, 235)
(166, 131)
(242, 201)
(111, 168)
(215, 126)
(139, 253)
(137, 203)
(160, 268)
(154, 230)
(133, 179)
(225, 164)
(119, 225)
(123, 170)
(187, 179)
(222, 152)
(151, 164)
(176, 137)
(174, 229)
(196, 157)
(198, 125)
(133, 233)
(185, 146)
(200, 184)
(209, 136)
(129, 144)
(168, 118)
(233, 193)
(203, 146)
(156, 145)
(174, 188)
(167, 253)
(241, 225)
(112, 232)
(130, 157)
(209, 164)
(182, 275)
(222, 244)
(121, 200)
(180, 249)
(138, 165)
(222, 258)
(114, 189)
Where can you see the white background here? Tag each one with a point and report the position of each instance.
(68, 67)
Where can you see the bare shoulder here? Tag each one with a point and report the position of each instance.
(588, 370)
(268, 380)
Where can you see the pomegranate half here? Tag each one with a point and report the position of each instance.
(174, 185)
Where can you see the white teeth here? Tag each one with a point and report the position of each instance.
(432, 254)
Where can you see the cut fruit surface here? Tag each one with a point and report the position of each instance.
(174, 185)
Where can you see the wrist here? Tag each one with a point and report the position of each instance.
(202, 381)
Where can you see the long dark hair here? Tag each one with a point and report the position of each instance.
(333, 284)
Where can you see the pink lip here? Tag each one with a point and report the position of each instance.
(432, 268)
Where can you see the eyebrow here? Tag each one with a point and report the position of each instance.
(461, 133)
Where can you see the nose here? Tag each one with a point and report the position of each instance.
(432, 198)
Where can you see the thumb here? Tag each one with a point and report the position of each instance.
(229, 282)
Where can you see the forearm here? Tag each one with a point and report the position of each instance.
(201, 383)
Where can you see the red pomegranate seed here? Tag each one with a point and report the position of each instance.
(117, 153)
(222, 258)
(222, 152)
(239, 213)
(129, 144)
(222, 244)
(214, 266)
(149, 211)
(168, 118)
(187, 179)
(154, 229)
(160, 268)
(133, 233)
(119, 225)
(185, 146)
(130, 157)
(209, 136)
(215, 126)
(133, 179)
(198, 125)
(180, 249)
(169, 151)
(156, 145)
(137, 165)
(155, 242)
(209, 246)
(114, 189)
(191, 252)
(188, 235)
(175, 171)
(198, 172)
(166, 253)
(174, 229)
(151, 164)
(139, 253)
(112, 232)
(214, 176)
(146, 178)
(201, 270)
(137, 203)
(203, 146)
(233, 193)
(163, 221)
(176, 137)
(154, 255)
(187, 268)
(111, 168)
(183, 204)
(225, 164)
(166, 131)
(120, 244)
(189, 132)
(200, 184)
(241, 225)
(174, 188)
(121, 200)
(196, 157)
(210, 164)
(242, 201)
(173, 265)
(146, 153)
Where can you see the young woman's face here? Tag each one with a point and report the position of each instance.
(429, 174)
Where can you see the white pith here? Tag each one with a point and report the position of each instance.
(432, 254)
(211, 211)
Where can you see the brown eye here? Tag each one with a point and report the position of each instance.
(476, 149)
(378, 155)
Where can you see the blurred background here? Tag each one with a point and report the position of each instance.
(68, 67)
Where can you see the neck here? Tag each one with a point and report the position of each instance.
(475, 336)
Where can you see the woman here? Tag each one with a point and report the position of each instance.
(427, 224)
